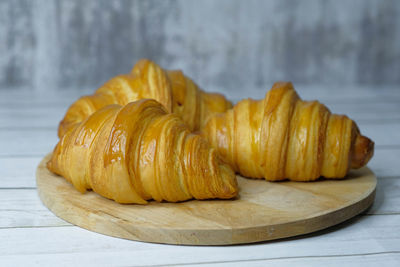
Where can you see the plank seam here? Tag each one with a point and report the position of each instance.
(54, 128)
(28, 128)
(39, 226)
(26, 155)
(69, 225)
(19, 188)
(39, 128)
(21, 155)
(283, 258)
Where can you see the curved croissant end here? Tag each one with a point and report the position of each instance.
(139, 152)
(282, 137)
(176, 92)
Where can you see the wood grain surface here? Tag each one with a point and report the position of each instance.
(263, 211)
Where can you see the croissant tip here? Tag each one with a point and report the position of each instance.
(230, 186)
(362, 152)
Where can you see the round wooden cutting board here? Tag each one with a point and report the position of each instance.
(263, 211)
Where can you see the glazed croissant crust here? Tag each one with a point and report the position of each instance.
(282, 137)
(139, 152)
(175, 91)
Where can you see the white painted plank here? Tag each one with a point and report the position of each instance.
(72, 245)
(387, 199)
(386, 162)
(41, 141)
(48, 116)
(384, 135)
(347, 91)
(29, 96)
(325, 93)
(36, 142)
(18, 171)
(365, 260)
(368, 112)
(31, 117)
(373, 260)
(23, 208)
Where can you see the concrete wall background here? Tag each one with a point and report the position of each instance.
(237, 45)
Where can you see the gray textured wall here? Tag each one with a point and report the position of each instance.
(232, 44)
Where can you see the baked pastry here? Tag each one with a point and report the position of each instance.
(139, 152)
(175, 91)
(282, 137)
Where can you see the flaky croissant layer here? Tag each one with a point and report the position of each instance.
(282, 137)
(139, 152)
(175, 91)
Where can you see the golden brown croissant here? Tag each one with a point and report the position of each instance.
(283, 137)
(139, 152)
(176, 92)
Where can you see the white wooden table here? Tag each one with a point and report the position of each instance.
(32, 235)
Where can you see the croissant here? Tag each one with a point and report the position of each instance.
(282, 137)
(175, 91)
(139, 152)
